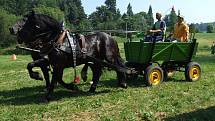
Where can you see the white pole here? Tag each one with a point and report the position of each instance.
(126, 31)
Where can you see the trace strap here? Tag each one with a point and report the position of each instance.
(73, 46)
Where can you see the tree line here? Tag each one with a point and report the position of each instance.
(106, 16)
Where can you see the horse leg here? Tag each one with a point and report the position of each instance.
(45, 71)
(56, 76)
(84, 72)
(30, 66)
(97, 71)
(121, 76)
(121, 79)
(43, 65)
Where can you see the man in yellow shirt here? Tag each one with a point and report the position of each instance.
(181, 30)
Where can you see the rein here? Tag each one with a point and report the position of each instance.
(40, 42)
(42, 34)
(54, 43)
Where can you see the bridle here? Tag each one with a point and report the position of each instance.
(41, 42)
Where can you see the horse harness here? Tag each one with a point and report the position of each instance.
(63, 42)
(69, 44)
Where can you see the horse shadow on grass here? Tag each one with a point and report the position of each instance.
(113, 83)
(172, 79)
(134, 83)
(34, 95)
(140, 82)
(198, 115)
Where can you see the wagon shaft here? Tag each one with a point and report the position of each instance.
(27, 49)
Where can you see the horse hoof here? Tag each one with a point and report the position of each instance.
(123, 85)
(44, 99)
(36, 75)
(47, 98)
(92, 90)
(76, 91)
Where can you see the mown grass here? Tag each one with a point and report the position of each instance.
(21, 98)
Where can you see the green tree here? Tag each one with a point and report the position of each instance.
(192, 28)
(53, 12)
(103, 18)
(73, 11)
(103, 14)
(17, 7)
(6, 21)
(172, 19)
(111, 5)
(130, 20)
(118, 15)
(47, 3)
(149, 18)
(210, 28)
(118, 19)
(166, 19)
(94, 20)
(140, 21)
(129, 10)
(113, 15)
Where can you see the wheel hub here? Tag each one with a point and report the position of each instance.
(195, 73)
(155, 77)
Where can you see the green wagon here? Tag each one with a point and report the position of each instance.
(159, 60)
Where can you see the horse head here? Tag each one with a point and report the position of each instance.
(35, 26)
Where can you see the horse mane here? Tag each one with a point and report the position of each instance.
(53, 23)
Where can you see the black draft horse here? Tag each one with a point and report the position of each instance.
(38, 27)
(38, 60)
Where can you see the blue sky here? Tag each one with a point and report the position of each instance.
(194, 11)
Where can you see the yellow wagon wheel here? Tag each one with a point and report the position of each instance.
(153, 75)
(193, 71)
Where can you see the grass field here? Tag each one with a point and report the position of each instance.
(175, 99)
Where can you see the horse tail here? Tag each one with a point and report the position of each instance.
(119, 59)
(112, 51)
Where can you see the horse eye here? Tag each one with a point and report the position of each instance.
(37, 26)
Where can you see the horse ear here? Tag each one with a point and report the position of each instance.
(32, 12)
